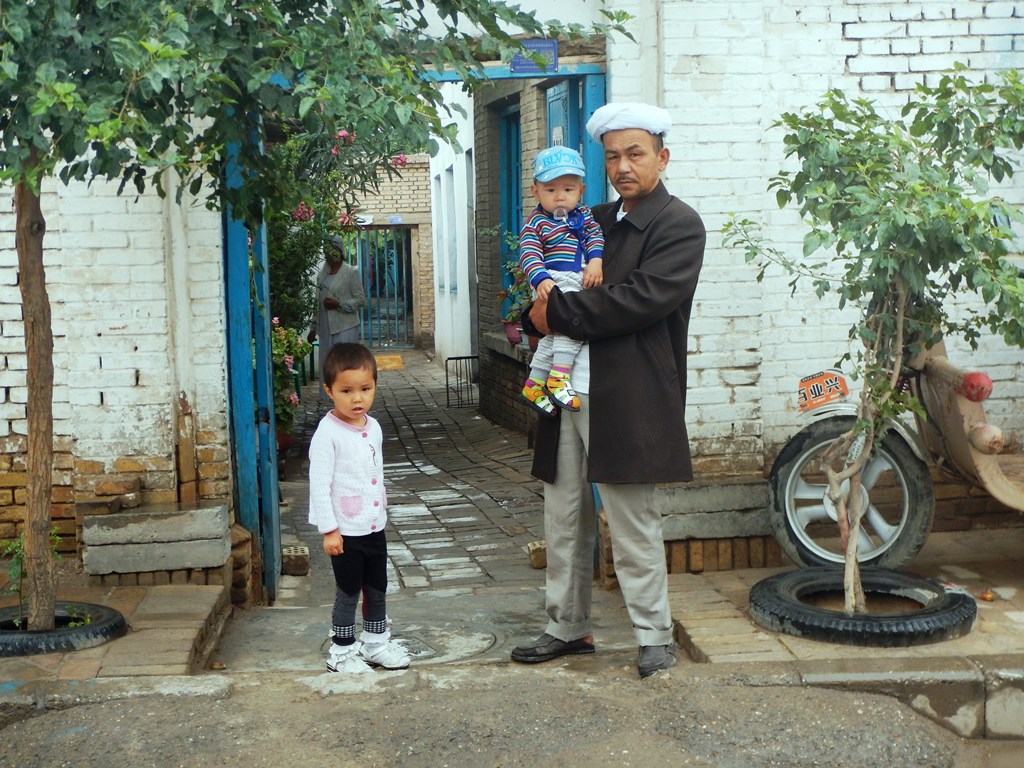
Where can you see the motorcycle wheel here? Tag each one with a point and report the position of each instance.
(897, 488)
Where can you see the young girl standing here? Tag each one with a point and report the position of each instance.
(348, 505)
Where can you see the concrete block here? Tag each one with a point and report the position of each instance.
(156, 557)
(714, 511)
(1004, 696)
(158, 523)
(162, 537)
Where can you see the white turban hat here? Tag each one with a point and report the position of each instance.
(623, 115)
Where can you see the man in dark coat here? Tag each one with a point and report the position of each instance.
(629, 433)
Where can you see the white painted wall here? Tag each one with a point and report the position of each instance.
(725, 71)
(137, 294)
(452, 212)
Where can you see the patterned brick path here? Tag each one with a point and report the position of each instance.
(462, 504)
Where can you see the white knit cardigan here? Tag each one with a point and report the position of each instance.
(346, 478)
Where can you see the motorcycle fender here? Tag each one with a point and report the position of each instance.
(849, 409)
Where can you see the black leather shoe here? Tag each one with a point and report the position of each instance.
(546, 648)
(654, 658)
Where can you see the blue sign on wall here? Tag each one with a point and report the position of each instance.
(546, 49)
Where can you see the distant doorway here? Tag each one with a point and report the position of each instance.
(384, 258)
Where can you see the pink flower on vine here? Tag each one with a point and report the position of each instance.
(342, 134)
(289, 361)
(303, 212)
(293, 398)
(399, 161)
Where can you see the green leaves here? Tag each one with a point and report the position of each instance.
(124, 90)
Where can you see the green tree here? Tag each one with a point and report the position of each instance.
(132, 89)
(316, 200)
(900, 219)
(297, 234)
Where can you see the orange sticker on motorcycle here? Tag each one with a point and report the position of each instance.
(821, 388)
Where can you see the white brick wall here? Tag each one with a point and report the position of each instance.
(134, 324)
(727, 70)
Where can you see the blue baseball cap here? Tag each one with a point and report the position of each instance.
(553, 162)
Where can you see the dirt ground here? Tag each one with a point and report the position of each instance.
(491, 715)
(498, 715)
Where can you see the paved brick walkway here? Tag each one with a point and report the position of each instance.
(462, 504)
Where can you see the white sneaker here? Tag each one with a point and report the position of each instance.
(346, 659)
(389, 654)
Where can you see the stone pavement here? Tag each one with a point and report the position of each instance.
(462, 505)
(463, 592)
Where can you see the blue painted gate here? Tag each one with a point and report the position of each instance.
(250, 391)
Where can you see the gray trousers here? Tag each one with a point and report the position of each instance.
(554, 347)
(569, 528)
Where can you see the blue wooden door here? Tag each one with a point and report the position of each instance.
(250, 389)
(511, 173)
(569, 105)
(563, 115)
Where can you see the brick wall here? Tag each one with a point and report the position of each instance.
(725, 71)
(501, 377)
(139, 403)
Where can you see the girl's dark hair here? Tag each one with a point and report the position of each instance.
(347, 357)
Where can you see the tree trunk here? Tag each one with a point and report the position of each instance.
(41, 590)
(853, 587)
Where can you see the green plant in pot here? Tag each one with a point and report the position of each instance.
(515, 296)
(901, 218)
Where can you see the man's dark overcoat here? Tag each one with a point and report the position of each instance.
(637, 324)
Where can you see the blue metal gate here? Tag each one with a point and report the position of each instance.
(384, 258)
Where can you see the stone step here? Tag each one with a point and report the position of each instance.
(157, 537)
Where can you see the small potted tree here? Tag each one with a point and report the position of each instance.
(901, 219)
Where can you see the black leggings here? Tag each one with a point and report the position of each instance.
(361, 568)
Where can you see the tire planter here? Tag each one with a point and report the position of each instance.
(104, 624)
(897, 489)
(779, 603)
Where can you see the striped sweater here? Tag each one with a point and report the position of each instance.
(547, 243)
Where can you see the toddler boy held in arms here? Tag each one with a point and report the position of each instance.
(348, 505)
(559, 245)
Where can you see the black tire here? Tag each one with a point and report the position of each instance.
(779, 603)
(901, 501)
(103, 624)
